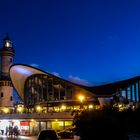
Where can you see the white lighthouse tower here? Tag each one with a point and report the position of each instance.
(6, 87)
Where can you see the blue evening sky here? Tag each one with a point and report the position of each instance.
(89, 41)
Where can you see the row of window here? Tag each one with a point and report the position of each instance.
(6, 83)
(40, 88)
(2, 95)
(132, 92)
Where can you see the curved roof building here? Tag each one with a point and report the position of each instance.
(49, 101)
(35, 86)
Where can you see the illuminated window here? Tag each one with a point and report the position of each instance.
(57, 125)
(68, 123)
(128, 93)
(123, 93)
(34, 127)
(133, 93)
(56, 109)
(137, 92)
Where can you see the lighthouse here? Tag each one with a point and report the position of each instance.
(6, 87)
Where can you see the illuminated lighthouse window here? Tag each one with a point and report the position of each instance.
(7, 43)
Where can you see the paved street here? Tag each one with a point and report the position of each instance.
(15, 138)
(21, 138)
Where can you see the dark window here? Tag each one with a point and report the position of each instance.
(6, 83)
(11, 60)
(11, 98)
(2, 84)
(1, 94)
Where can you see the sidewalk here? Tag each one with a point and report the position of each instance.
(3, 137)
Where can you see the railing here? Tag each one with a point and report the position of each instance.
(59, 115)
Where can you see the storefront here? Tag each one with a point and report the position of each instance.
(32, 127)
(5, 125)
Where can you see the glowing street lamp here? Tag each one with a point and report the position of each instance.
(81, 98)
(20, 109)
(90, 106)
(63, 107)
(6, 110)
(38, 108)
(120, 105)
(32, 120)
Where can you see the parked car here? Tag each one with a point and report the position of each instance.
(48, 134)
(66, 134)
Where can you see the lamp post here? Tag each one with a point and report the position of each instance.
(81, 99)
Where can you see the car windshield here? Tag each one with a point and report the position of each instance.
(47, 134)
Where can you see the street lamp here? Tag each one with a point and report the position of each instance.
(20, 108)
(90, 106)
(81, 98)
(38, 108)
(6, 110)
(63, 107)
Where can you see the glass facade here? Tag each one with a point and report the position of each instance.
(57, 125)
(34, 127)
(45, 88)
(137, 92)
(131, 93)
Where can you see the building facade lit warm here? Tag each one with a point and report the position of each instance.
(49, 101)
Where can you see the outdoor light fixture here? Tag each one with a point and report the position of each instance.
(120, 105)
(38, 108)
(6, 110)
(57, 109)
(32, 120)
(81, 98)
(90, 106)
(20, 109)
(63, 107)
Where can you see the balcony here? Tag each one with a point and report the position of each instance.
(39, 116)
